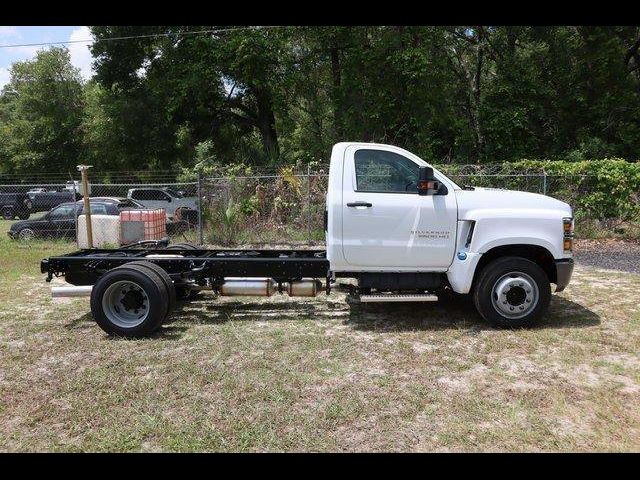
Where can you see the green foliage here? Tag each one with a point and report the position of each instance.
(225, 221)
(250, 206)
(231, 102)
(596, 189)
(600, 189)
(41, 115)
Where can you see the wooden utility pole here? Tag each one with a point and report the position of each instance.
(87, 204)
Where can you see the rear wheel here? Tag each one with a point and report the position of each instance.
(23, 215)
(8, 213)
(129, 301)
(512, 292)
(164, 276)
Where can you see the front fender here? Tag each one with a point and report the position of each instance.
(496, 228)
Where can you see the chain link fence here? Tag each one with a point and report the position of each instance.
(51, 211)
(264, 210)
(283, 208)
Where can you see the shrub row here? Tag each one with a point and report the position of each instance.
(597, 189)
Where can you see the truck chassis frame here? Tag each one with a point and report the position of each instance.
(84, 267)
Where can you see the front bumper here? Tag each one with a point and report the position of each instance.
(564, 270)
(12, 235)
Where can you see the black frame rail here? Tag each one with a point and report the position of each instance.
(90, 264)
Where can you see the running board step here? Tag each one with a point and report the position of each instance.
(389, 297)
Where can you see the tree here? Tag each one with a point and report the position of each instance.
(267, 96)
(42, 108)
(222, 86)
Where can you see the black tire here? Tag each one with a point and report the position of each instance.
(152, 286)
(8, 213)
(24, 215)
(166, 279)
(512, 269)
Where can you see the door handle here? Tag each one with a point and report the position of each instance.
(359, 204)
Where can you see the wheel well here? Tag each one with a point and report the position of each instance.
(535, 253)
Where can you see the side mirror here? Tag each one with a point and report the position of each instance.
(427, 185)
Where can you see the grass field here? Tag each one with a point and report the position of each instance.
(263, 375)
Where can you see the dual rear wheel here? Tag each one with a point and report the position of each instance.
(133, 300)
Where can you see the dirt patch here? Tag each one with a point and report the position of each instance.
(253, 374)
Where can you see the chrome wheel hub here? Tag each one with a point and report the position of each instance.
(26, 234)
(515, 295)
(125, 304)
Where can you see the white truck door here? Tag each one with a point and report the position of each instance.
(386, 225)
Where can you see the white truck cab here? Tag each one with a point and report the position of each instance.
(393, 220)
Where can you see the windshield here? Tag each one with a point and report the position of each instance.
(174, 193)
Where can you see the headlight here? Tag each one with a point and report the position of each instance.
(567, 229)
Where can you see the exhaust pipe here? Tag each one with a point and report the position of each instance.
(304, 288)
(249, 286)
(74, 291)
(263, 287)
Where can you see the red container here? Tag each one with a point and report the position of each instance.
(151, 224)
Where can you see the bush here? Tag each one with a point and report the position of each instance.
(596, 189)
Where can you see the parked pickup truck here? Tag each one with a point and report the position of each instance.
(166, 198)
(403, 230)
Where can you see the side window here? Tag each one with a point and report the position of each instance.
(98, 209)
(160, 195)
(137, 194)
(61, 213)
(156, 195)
(125, 204)
(386, 172)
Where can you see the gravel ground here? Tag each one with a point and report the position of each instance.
(609, 254)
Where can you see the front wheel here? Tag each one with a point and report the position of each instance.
(512, 292)
(26, 234)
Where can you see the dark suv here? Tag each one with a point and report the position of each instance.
(14, 205)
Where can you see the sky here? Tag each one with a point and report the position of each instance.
(80, 55)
